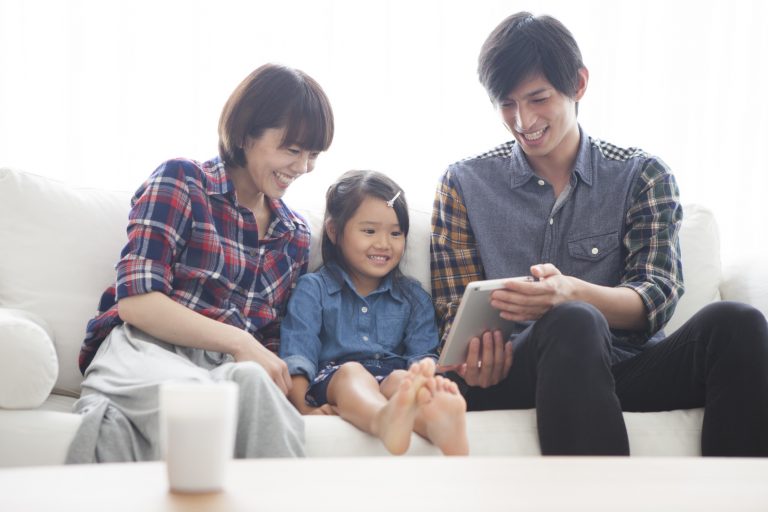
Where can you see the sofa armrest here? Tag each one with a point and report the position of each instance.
(29, 365)
(745, 283)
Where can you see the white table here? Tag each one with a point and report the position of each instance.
(407, 484)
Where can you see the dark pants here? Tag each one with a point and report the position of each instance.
(718, 360)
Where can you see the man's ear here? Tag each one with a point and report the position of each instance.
(330, 230)
(583, 80)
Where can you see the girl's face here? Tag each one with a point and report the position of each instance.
(371, 244)
(271, 167)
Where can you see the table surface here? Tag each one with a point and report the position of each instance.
(467, 484)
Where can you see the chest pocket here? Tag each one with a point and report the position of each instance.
(390, 329)
(594, 248)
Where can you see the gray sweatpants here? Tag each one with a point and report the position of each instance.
(119, 400)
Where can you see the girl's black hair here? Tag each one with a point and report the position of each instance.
(344, 198)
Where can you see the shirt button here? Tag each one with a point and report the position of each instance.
(595, 250)
(542, 182)
(364, 309)
(551, 221)
(365, 338)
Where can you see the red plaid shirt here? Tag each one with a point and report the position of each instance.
(189, 239)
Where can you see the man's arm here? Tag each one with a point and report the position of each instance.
(455, 260)
(623, 308)
(653, 267)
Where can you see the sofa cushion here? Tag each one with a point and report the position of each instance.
(700, 251)
(28, 363)
(63, 244)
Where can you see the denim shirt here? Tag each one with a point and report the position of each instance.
(615, 224)
(328, 321)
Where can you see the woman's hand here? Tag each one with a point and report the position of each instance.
(488, 361)
(250, 349)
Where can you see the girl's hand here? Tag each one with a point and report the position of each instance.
(250, 349)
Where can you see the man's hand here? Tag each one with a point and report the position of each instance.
(488, 361)
(523, 301)
(252, 350)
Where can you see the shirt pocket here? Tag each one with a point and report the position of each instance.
(594, 248)
(390, 329)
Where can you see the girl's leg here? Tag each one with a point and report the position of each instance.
(442, 420)
(356, 396)
(441, 415)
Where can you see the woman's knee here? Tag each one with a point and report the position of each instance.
(249, 373)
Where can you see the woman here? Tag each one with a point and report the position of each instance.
(212, 255)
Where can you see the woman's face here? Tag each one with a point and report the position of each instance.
(271, 166)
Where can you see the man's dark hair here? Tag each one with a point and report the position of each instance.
(523, 45)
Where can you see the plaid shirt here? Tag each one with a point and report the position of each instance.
(189, 239)
(649, 245)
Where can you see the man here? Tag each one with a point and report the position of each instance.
(597, 227)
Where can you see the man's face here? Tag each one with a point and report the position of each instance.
(542, 119)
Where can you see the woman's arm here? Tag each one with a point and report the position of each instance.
(166, 319)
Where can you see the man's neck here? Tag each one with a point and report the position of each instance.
(557, 166)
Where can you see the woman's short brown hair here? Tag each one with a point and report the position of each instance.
(275, 96)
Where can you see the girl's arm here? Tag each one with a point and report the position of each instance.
(421, 336)
(166, 319)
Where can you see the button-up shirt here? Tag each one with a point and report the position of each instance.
(328, 321)
(615, 224)
(190, 239)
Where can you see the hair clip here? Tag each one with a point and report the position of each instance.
(391, 202)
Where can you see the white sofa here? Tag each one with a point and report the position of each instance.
(58, 246)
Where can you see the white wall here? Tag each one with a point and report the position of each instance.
(98, 92)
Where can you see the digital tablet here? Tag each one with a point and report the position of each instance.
(475, 316)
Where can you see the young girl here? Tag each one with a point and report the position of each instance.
(359, 337)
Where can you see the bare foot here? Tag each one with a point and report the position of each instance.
(444, 417)
(393, 424)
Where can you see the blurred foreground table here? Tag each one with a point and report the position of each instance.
(408, 483)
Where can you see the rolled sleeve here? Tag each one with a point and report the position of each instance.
(160, 215)
(653, 265)
(455, 258)
(421, 337)
(300, 329)
(300, 365)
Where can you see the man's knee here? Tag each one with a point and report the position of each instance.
(740, 330)
(574, 329)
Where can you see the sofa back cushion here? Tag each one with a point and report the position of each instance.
(59, 245)
(702, 268)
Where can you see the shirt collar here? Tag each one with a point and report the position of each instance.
(522, 171)
(218, 183)
(331, 271)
